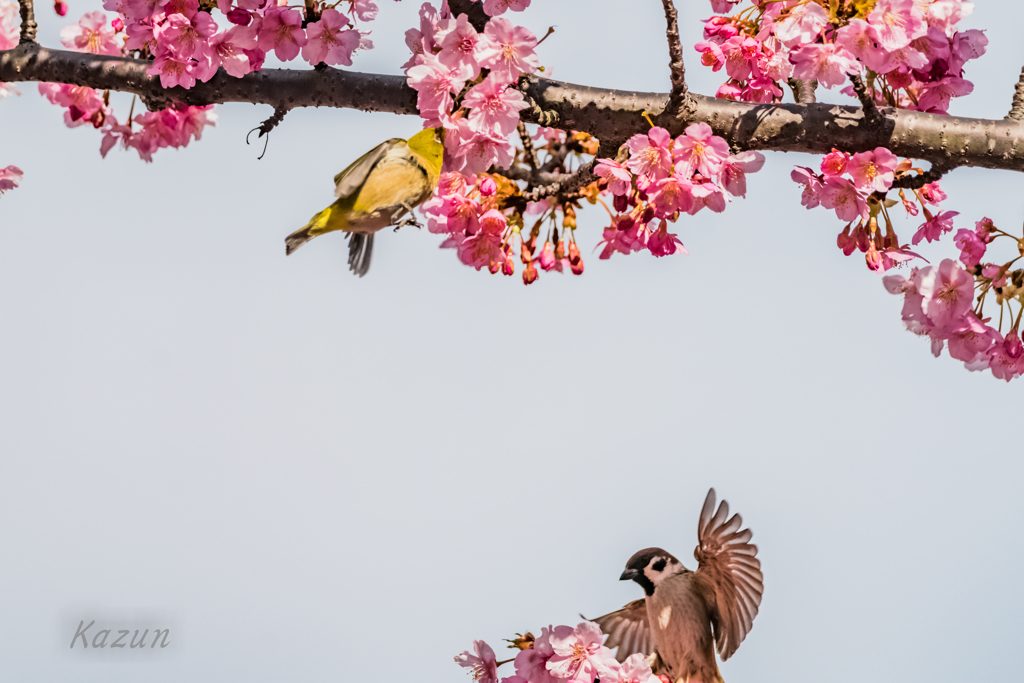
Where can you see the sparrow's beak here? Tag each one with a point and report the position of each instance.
(629, 575)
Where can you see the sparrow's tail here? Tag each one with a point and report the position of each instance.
(360, 248)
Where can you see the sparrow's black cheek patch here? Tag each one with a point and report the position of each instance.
(645, 583)
(659, 565)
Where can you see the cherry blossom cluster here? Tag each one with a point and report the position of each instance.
(910, 50)
(561, 654)
(663, 178)
(465, 83)
(483, 222)
(937, 303)
(175, 126)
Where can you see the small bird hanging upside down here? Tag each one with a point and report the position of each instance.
(375, 191)
(684, 610)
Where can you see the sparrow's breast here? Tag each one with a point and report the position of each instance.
(681, 626)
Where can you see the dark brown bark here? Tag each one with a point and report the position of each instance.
(610, 115)
(678, 97)
(28, 21)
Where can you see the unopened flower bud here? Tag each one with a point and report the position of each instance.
(117, 25)
(529, 277)
(495, 266)
(60, 7)
(648, 215)
(620, 203)
(560, 250)
(488, 187)
(509, 266)
(547, 256)
(239, 17)
(569, 217)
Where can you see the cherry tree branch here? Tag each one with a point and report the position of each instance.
(28, 22)
(1017, 109)
(610, 115)
(679, 95)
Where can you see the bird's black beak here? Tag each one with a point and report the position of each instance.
(628, 575)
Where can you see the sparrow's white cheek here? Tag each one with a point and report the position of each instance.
(666, 614)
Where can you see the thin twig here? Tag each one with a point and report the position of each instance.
(1017, 109)
(675, 54)
(528, 151)
(918, 181)
(28, 22)
(267, 126)
(872, 116)
(568, 188)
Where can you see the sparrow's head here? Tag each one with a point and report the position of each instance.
(649, 567)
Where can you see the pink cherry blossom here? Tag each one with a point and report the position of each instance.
(848, 201)
(742, 54)
(711, 54)
(329, 40)
(735, 170)
(935, 226)
(935, 96)
(671, 194)
(482, 250)
(473, 151)
(1006, 360)
(435, 83)
(947, 291)
(10, 178)
(827, 63)
(184, 36)
(801, 25)
(664, 243)
(460, 46)
(496, 7)
(619, 178)
(507, 50)
(365, 10)
(707, 195)
(897, 22)
(723, 6)
(860, 39)
(494, 106)
(775, 66)
(834, 163)
(173, 70)
(281, 31)
(814, 189)
(579, 653)
(972, 339)
(650, 156)
(91, 34)
(699, 150)
(227, 49)
(635, 669)
(972, 248)
(965, 46)
(932, 193)
(873, 171)
(483, 665)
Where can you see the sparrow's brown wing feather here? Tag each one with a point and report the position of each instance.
(628, 630)
(730, 571)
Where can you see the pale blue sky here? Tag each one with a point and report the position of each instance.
(313, 477)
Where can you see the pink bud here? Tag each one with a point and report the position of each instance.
(530, 274)
(117, 24)
(488, 187)
(239, 16)
(60, 7)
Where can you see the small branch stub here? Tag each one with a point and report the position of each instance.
(28, 22)
(680, 94)
(1017, 110)
(872, 116)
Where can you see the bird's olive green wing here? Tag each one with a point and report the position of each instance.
(730, 572)
(628, 630)
(353, 177)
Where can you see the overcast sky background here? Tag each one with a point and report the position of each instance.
(313, 477)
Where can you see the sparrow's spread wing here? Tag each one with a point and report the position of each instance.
(628, 630)
(353, 177)
(730, 571)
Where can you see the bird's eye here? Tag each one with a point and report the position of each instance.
(659, 565)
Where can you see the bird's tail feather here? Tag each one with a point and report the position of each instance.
(310, 230)
(360, 248)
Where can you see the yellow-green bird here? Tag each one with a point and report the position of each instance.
(375, 191)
